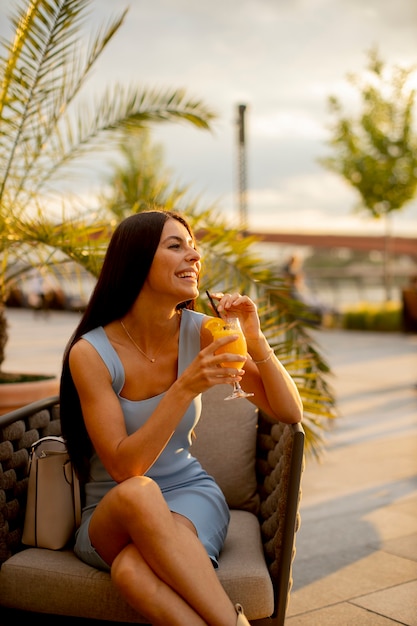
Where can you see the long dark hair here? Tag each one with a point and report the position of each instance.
(126, 265)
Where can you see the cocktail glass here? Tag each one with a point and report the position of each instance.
(223, 328)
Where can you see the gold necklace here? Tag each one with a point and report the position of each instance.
(151, 360)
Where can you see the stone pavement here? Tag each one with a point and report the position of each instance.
(356, 561)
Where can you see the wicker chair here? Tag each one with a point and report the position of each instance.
(257, 464)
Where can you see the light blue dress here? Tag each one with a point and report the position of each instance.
(186, 487)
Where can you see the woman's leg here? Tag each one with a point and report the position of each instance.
(148, 594)
(136, 513)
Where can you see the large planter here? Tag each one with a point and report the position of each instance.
(15, 395)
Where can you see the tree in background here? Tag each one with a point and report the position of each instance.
(375, 151)
(138, 178)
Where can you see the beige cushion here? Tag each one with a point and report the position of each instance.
(225, 445)
(47, 581)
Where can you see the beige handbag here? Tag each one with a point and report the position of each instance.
(53, 507)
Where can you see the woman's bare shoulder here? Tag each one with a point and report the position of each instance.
(83, 353)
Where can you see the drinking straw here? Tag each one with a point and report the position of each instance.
(213, 304)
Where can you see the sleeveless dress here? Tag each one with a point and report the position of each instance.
(186, 487)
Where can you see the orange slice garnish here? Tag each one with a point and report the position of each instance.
(213, 324)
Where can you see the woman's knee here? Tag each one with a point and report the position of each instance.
(138, 492)
(125, 567)
(133, 578)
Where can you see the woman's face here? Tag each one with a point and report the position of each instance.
(176, 265)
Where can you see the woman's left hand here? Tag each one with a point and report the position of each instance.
(234, 304)
(274, 390)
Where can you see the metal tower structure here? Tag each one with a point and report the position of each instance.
(242, 191)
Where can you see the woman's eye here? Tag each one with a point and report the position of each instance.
(174, 246)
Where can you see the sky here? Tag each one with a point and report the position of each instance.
(282, 59)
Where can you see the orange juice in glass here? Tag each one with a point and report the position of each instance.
(223, 328)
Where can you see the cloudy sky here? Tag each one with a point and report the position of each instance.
(281, 58)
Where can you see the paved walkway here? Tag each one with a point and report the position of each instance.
(356, 562)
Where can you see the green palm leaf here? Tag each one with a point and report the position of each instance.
(42, 128)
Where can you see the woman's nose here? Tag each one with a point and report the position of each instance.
(193, 254)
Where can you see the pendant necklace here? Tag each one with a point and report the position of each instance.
(150, 359)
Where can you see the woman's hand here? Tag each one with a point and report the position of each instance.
(206, 370)
(274, 390)
(234, 304)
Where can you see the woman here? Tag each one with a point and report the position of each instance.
(132, 378)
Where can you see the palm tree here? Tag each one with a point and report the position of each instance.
(44, 133)
(139, 181)
(47, 132)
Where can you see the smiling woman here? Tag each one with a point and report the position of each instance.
(131, 386)
(173, 275)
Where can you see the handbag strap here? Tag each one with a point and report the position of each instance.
(48, 439)
(72, 480)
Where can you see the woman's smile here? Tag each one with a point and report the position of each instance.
(188, 274)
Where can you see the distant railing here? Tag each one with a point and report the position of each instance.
(397, 245)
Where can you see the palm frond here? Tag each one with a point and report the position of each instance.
(42, 75)
(43, 129)
(99, 125)
(230, 262)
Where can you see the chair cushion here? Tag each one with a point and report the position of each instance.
(225, 445)
(57, 582)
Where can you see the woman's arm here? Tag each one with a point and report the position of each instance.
(274, 390)
(126, 455)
